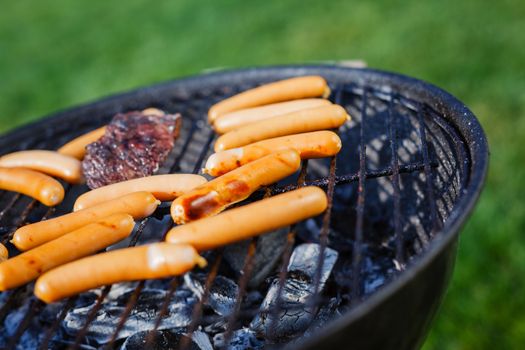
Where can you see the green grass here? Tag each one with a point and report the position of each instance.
(55, 54)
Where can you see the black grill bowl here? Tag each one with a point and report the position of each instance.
(413, 164)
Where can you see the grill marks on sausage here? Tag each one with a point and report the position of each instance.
(134, 145)
(202, 205)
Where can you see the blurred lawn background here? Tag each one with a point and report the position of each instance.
(55, 54)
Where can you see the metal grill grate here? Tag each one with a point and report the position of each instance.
(407, 151)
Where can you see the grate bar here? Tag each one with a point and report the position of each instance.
(197, 309)
(290, 241)
(125, 314)
(428, 173)
(323, 234)
(246, 273)
(91, 316)
(400, 254)
(349, 178)
(34, 307)
(49, 334)
(163, 311)
(360, 208)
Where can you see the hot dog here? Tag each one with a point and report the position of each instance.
(33, 184)
(163, 187)
(76, 148)
(250, 220)
(306, 120)
(49, 162)
(138, 205)
(214, 196)
(317, 144)
(233, 120)
(84, 241)
(283, 90)
(4, 254)
(156, 260)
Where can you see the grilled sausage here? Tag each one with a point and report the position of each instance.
(214, 196)
(49, 162)
(137, 204)
(317, 144)
(250, 220)
(84, 241)
(283, 90)
(33, 184)
(4, 254)
(76, 148)
(306, 120)
(234, 120)
(156, 260)
(163, 187)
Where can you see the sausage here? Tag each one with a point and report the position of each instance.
(163, 187)
(233, 120)
(33, 184)
(317, 144)
(306, 120)
(137, 204)
(214, 196)
(153, 111)
(4, 253)
(84, 241)
(250, 220)
(49, 162)
(157, 260)
(76, 148)
(279, 91)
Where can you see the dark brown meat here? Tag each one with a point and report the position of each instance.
(134, 145)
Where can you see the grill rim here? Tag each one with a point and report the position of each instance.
(453, 110)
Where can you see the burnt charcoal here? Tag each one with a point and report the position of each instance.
(31, 337)
(133, 146)
(140, 318)
(222, 293)
(268, 252)
(62, 344)
(296, 311)
(168, 339)
(241, 339)
(377, 267)
(325, 314)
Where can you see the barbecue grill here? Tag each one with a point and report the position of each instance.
(413, 163)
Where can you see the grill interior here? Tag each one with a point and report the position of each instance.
(390, 189)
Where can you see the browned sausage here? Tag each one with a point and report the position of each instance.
(216, 195)
(317, 144)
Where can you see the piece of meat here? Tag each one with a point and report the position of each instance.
(134, 145)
